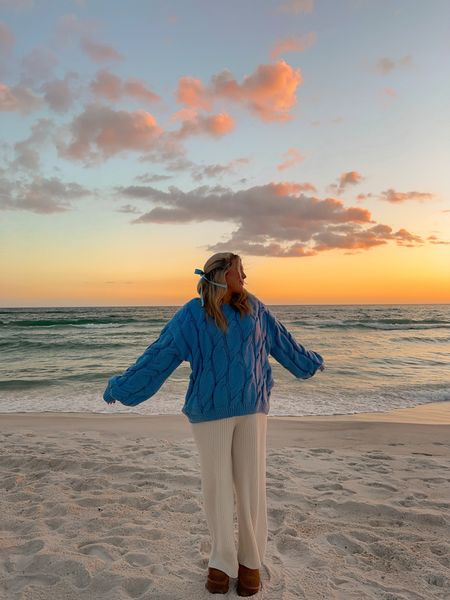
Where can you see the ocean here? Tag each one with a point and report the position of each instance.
(377, 357)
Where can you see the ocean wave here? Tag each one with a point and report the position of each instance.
(381, 324)
(55, 345)
(26, 384)
(88, 322)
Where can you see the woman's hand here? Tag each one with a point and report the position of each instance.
(322, 367)
(111, 401)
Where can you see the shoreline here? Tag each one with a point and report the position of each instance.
(418, 426)
(431, 413)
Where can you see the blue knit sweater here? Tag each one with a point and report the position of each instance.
(231, 374)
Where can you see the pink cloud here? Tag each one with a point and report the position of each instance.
(137, 89)
(215, 125)
(349, 178)
(288, 188)
(100, 132)
(433, 239)
(192, 93)
(293, 44)
(18, 98)
(99, 52)
(184, 114)
(110, 86)
(107, 85)
(396, 197)
(269, 93)
(295, 158)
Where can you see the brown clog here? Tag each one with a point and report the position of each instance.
(217, 581)
(248, 581)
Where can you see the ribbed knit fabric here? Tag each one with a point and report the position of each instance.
(232, 455)
(231, 375)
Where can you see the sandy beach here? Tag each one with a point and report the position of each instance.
(107, 506)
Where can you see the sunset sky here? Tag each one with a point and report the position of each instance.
(311, 137)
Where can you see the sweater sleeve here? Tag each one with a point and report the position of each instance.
(288, 352)
(144, 378)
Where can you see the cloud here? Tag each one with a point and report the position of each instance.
(269, 93)
(110, 86)
(346, 179)
(296, 157)
(192, 93)
(213, 171)
(41, 195)
(278, 218)
(38, 65)
(156, 178)
(28, 151)
(197, 172)
(100, 132)
(397, 197)
(58, 93)
(137, 89)
(293, 44)
(18, 98)
(215, 126)
(289, 188)
(357, 239)
(170, 151)
(385, 65)
(296, 6)
(128, 208)
(99, 52)
(107, 85)
(435, 240)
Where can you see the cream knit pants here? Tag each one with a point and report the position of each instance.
(233, 455)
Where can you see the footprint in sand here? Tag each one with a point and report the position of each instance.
(136, 586)
(328, 486)
(95, 549)
(438, 579)
(291, 545)
(377, 456)
(30, 547)
(364, 536)
(344, 543)
(383, 486)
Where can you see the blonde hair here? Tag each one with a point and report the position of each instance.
(215, 269)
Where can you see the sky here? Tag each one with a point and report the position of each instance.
(138, 138)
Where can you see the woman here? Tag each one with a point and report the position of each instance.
(226, 335)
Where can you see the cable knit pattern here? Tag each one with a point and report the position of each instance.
(231, 374)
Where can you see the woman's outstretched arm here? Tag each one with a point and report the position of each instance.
(144, 378)
(288, 352)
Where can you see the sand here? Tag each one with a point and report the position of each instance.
(109, 507)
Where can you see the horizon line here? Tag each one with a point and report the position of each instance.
(267, 303)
